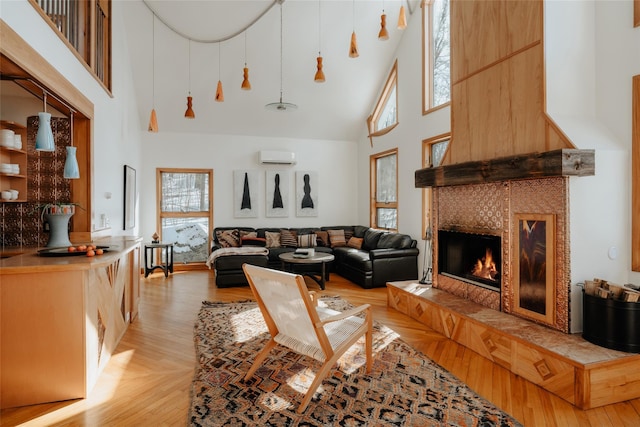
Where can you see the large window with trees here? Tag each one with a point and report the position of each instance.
(384, 190)
(185, 212)
(436, 54)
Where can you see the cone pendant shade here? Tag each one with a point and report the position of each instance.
(353, 47)
(246, 85)
(383, 34)
(189, 114)
(402, 19)
(153, 121)
(71, 170)
(44, 137)
(319, 77)
(219, 93)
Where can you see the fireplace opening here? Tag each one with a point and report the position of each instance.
(472, 258)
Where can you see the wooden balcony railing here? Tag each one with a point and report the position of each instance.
(86, 27)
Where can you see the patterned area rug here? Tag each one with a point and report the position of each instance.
(404, 388)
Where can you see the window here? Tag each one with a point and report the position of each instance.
(385, 114)
(185, 212)
(384, 190)
(433, 151)
(85, 26)
(436, 54)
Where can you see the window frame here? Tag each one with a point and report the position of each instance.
(374, 205)
(427, 193)
(160, 215)
(391, 83)
(427, 59)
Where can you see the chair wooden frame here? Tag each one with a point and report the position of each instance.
(325, 344)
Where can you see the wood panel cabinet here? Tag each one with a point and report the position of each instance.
(11, 155)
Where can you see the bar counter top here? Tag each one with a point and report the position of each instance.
(28, 260)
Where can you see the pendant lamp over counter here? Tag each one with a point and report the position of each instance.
(71, 170)
(44, 137)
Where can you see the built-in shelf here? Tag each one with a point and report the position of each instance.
(14, 156)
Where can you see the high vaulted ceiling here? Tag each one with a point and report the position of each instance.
(336, 109)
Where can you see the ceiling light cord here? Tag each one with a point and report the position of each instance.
(281, 53)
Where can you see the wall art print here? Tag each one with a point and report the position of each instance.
(245, 194)
(277, 194)
(306, 193)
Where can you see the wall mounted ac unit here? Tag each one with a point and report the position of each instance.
(277, 157)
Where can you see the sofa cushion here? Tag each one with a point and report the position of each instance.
(307, 240)
(288, 238)
(355, 242)
(359, 230)
(355, 258)
(272, 239)
(323, 238)
(394, 241)
(228, 238)
(337, 238)
(371, 238)
(253, 241)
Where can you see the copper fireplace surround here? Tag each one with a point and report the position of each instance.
(492, 208)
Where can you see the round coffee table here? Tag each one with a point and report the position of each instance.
(319, 258)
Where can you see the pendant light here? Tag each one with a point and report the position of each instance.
(246, 85)
(319, 77)
(353, 46)
(190, 114)
(44, 137)
(153, 120)
(281, 106)
(402, 19)
(219, 93)
(383, 34)
(71, 170)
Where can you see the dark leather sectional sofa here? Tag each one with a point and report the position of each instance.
(382, 257)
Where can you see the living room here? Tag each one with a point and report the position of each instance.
(587, 95)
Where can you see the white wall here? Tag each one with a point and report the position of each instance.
(116, 136)
(334, 161)
(591, 53)
(412, 129)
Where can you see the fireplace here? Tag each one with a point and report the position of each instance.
(471, 258)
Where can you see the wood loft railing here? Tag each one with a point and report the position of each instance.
(85, 26)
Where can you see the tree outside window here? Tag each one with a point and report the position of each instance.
(385, 114)
(384, 190)
(436, 54)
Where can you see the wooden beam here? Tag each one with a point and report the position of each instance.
(563, 162)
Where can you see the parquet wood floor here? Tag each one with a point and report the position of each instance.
(146, 382)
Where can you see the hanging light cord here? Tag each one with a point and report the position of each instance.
(319, 30)
(153, 63)
(71, 119)
(245, 49)
(281, 53)
(218, 61)
(189, 67)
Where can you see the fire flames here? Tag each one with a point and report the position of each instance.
(485, 267)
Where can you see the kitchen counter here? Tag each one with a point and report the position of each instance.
(61, 318)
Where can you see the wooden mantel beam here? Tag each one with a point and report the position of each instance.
(562, 162)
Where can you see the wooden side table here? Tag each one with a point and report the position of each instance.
(165, 261)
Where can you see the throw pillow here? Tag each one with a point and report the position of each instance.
(355, 242)
(228, 238)
(336, 238)
(307, 240)
(288, 238)
(323, 238)
(273, 239)
(244, 233)
(253, 241)
(348, 234)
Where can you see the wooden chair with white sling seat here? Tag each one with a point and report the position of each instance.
(296, 321)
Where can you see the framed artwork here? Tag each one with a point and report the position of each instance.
(306, 193)
(245, 194)
(534, 266)
(277, 194)
(129, 213)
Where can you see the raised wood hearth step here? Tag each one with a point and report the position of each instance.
(582, 373)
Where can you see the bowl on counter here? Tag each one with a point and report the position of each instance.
(6, 195)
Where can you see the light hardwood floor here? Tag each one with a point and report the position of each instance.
(147, 380)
